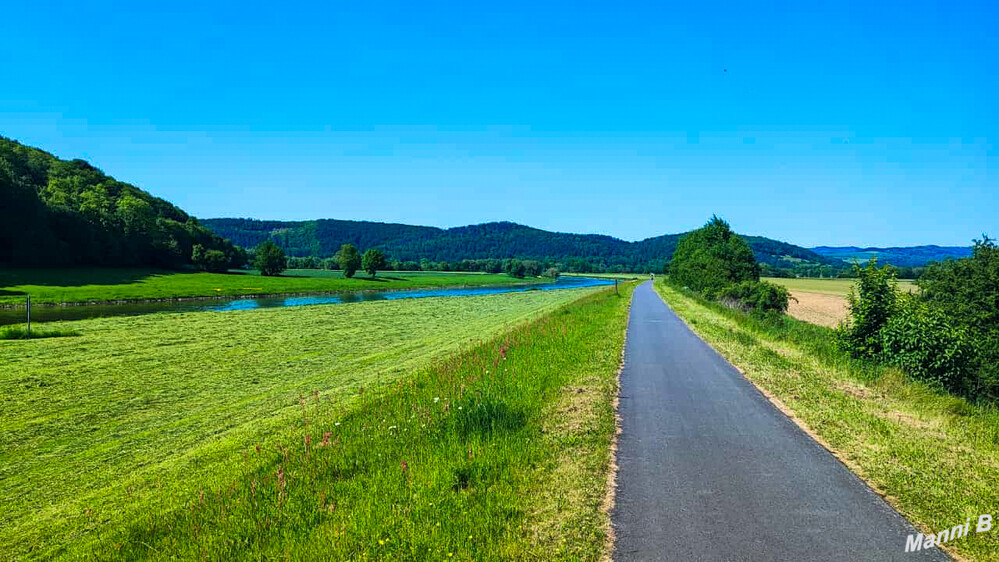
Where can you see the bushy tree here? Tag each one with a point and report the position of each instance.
(209, 260)
(515, 268)
(711, 258)
(551, 273)
(532, 268)
(871, 303)
(372, 261)
(350, 259)
(269, 259)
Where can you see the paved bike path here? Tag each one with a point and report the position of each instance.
(710, 470)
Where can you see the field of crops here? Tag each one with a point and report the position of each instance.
(112, 284)
(823, 301)
(838, 287)
(137, 416)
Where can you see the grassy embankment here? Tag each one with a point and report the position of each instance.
(50, 286)
(934, 456)
(340, 431)
(823, 301)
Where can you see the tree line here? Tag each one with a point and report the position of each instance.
(499, 240)
(270, 259)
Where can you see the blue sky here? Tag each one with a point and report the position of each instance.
(855, 123)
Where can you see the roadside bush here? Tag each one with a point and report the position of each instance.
(756, 296)
(966, 291)
(871, 304)
(920, 340)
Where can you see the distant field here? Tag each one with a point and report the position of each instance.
(822, 301)
(135, 415)
(48, 286)
(828, 286)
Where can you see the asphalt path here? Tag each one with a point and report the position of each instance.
(709, 469)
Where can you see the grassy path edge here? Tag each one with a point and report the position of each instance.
(611, 487)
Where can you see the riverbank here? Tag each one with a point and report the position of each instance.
(98, 286)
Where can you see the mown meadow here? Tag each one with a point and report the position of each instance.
(381, 429)
(82, 285)
(934, 456)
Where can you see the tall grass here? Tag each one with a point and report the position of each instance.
(934, 456)
(19, 333)
(499, 452)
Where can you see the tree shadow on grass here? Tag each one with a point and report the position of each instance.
(79, 276)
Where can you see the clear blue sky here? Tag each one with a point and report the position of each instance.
(869, 123)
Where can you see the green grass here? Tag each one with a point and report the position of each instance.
(828, 286)
(119, 427)
(19, 333)
(48, 286)
(934, 456)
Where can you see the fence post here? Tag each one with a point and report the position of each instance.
(29, 314)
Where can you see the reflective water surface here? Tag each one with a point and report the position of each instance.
(59, 313)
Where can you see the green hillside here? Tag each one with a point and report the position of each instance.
(67, 212)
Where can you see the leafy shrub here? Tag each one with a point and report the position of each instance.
(711, 258)
(871, 304)
(757, 296)
(209, 260)
(966, 291)
(921, 341)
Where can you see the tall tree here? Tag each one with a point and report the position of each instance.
(270, 259)
(372, 261)
(711, 258)
(350, 259)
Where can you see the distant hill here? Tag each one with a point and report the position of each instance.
(912, 256)
(67, 212)
(498, 240)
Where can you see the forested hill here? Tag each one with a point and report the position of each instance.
(499, 240)
(67, 212)
(910, 256)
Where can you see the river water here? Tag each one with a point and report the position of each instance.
(61, 313)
